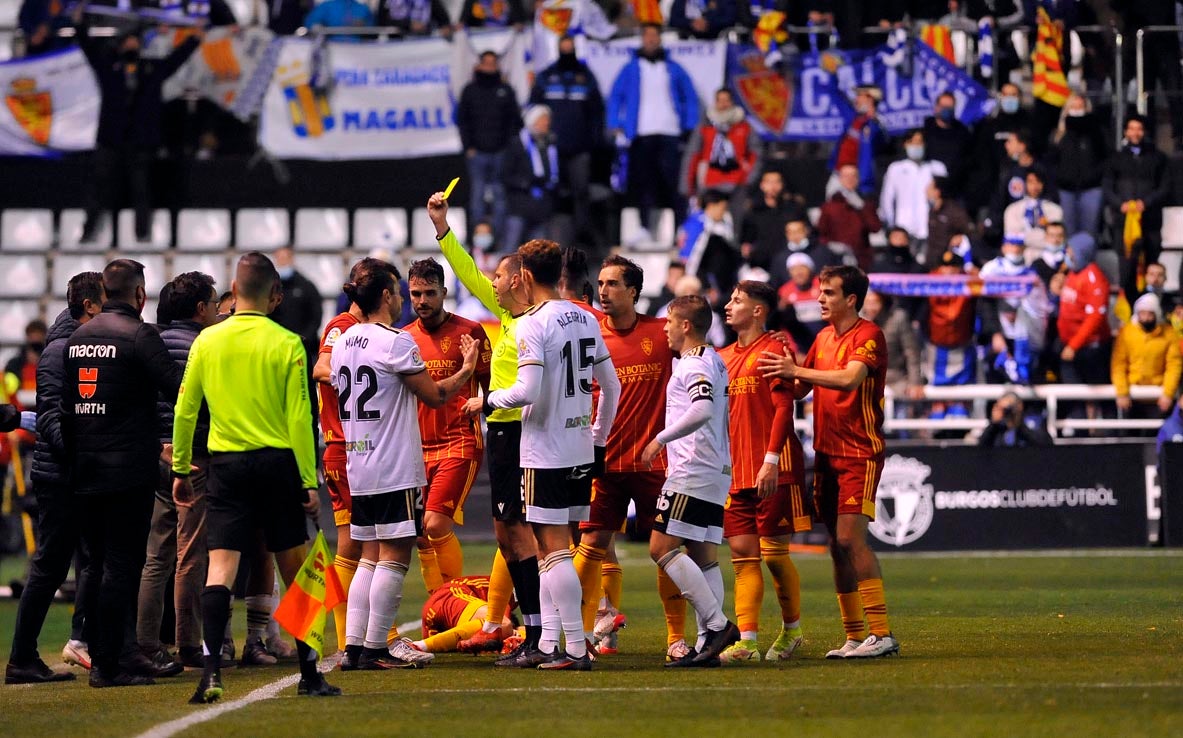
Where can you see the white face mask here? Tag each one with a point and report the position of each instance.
(1016, 259)
(915, 152)
(798, 245)
(1076, 113)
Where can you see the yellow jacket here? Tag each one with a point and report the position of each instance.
(1146, 358)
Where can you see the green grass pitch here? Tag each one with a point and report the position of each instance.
(1012, 646)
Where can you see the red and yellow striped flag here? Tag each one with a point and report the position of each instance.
(940, 39)
(314, 592)
(1048, 82)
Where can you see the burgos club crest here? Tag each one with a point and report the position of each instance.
(904, 503)
(308, 108)
(32, 108)
(765, 93)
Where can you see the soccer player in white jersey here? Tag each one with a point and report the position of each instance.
(560, 351)
(698, 477)
(378, 373)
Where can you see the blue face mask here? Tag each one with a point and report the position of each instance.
(1009, 105)
(286, 272)
(946, 114)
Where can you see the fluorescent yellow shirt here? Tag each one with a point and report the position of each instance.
(251, 372)
(503, 370)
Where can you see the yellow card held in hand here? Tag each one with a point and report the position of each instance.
(451, 186)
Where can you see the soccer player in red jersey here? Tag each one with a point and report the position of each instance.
(846, 369)
(765, 505)
(643, 361)
(452, 442)
(455, 611)
(348, 550)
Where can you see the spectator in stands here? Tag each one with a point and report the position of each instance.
(897, 258)
(673, 274)
(862, 140)
(493, 14)
(1012, 183)
(1156, 284)
(947, 219)
(1077, 156)
(20, 373)
(340, 14)
(1146, 352)
(484, 244)
(531, 178)
(1016, 326)
(654, 106)
(1083, 323)
(948, 140)
(488, 118)
(572, 93)
(1137, 184)
(1010, 429)
(800, 312)
(301, 309)
(1028, 218)
(703, 18)
(722, 153)
(849, 218)
(1161, 54)
(797, 241)
(903, 201)
(129, 123)
(1171, 431)
(689, 284)
(905, 377)
(285, 17)
(990, 137)
(1050, 260)
(763, 229)
(40, 21)
(415, 17)
(948, 327)
(706, 245)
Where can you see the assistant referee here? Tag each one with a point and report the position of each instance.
(251, 373)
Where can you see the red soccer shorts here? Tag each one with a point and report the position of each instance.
(845, 485)
(337, 482)
(610, 497)
(782, 514)
(448, 483)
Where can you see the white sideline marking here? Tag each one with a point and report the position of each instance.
(1050, 553)
(266, 692)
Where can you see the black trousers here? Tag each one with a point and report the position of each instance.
(112, 170)
(653, 166)
(58, 534)
(116, 531)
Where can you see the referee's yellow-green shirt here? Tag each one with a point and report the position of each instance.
(251, 372)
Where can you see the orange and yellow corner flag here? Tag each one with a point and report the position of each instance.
(314, 592)
(1048, 82)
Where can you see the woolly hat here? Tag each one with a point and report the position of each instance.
(1149, 302)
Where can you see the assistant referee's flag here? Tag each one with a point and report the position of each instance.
(314, 592)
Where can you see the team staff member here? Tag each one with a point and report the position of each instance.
(452, 442)
(58, 521)
(765, 505)
(345, 561)
(515, 568)
(115, 367)
(846, 369)
(262, 473)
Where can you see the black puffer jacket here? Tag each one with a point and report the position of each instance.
(1138, 176)
(50, 468)
(115, 366)
(178, 338)
(1078, 159)
(487, 114)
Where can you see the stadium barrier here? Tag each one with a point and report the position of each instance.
(969, 498)
(1170, 502)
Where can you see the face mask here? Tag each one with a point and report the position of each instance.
(931, 202)
(483, 241)
(863, 109)
(1016, 259)
(1009, 105)
(1076, 113)
(915, 152)
(1070, 262)
(1148, 325)
(945, 114)
(798, 245)
(286, 272)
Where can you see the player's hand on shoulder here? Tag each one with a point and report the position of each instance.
(774, 365)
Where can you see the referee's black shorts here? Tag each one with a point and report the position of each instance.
(249, 491)
(503, 451)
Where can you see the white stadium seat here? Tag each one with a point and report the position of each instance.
(160, 237)
(328, 312)
(262, 229)
(655, 266)
(203, 230)
(67, 265)
(1172, 260)
(6, 38)
(26, 230)
(23, 275)
(70, 231)
(636, 235)
(155, 274)
(423, 232)
(326, 271)
(380, 228)
(14, 316)
(1172, 227)
(322, 228)
(211, 264)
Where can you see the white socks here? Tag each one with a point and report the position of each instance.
(386, 593)
(357, 612)
(697, 588)
(561, 598)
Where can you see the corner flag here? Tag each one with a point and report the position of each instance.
(313, 592)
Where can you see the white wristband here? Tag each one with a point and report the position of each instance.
(771, 458)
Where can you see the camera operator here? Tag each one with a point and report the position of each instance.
(1008, 429)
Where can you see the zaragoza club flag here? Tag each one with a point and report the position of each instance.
(50, 105)
(314, 592)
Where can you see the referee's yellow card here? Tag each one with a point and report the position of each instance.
(451, 186)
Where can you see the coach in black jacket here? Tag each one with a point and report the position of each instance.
(58, 521)
(1137, 178)
(115, 366)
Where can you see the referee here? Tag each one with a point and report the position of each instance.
(251, 373)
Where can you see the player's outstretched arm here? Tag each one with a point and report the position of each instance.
(466, 269)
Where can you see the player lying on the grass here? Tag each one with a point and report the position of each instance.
(698, 475)
(456, 610)
(378, 372)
